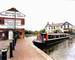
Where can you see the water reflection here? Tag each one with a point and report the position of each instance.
(62, 51)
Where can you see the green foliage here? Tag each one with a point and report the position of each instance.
(28, 32)
(35, 32)
(57, 31)
(31, 33)
(42, 31)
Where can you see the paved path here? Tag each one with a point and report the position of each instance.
(26, 51)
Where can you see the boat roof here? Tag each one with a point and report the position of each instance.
(56, 33)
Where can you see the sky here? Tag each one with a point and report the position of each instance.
(39, 12)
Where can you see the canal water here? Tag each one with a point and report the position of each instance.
(62, 51)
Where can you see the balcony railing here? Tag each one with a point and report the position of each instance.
(12, 27)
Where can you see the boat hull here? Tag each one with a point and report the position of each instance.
(49, 43)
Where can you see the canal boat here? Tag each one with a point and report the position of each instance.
(45, 40)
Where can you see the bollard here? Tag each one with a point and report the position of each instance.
(4, 54)
(13, 44)
(15, 41)
(11, 50)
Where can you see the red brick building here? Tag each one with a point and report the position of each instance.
(11, 20)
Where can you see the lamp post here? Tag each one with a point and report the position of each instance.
(14, 40)
(15, 13)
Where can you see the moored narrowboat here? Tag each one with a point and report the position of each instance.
(45, 40)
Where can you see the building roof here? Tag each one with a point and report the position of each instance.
(67, 23)
(48, 25)
(13, 9)
(57, 24)
(11, 13)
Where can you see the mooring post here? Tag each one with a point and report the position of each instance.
(13, 43)
(4, 54)
(11, 50)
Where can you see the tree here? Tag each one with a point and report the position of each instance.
(42, 31)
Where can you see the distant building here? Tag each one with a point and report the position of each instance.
(11, 20)
(48, 28)
(58, 27)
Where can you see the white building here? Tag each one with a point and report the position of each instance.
(58, 27)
